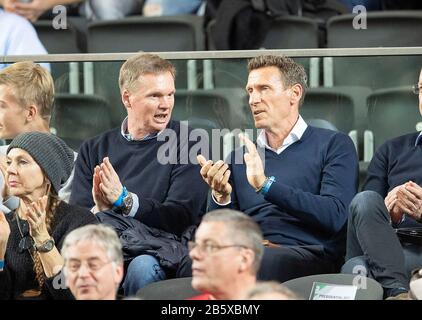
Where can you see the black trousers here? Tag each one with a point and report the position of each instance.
(372, 243)
(285, 263)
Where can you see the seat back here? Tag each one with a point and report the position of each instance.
(172, 289)
(227, 108)
(342, 106)
(384, 29)
(137, 33)
(77, 117)
(291, 32)
(57, 41)
(392, 113)
(368, 289)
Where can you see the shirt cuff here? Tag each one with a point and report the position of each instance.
(135, 206)
(220, 204)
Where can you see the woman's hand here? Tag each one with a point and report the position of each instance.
(36, 216)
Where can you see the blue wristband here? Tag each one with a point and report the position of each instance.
(1, 264)
(266, 187)
(119, 201)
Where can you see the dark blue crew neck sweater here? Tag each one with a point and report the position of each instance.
(316, 179)
(394, 163)
(171, 196)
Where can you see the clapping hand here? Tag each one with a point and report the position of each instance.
(36, 215)
(106, 187)
(254, 167)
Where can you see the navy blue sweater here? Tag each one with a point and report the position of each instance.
(316, 178)
(171, 196)
(394, 163)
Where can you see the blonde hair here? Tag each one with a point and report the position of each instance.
(31, 84)
(142, 64)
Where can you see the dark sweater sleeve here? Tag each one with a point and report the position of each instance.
(327, 210)
(186, 199)
(81, 194)
(377, 175)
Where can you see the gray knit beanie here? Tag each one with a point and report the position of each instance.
(50, 152)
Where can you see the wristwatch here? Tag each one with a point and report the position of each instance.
(127, 204)
(46, 246)
(125, 201)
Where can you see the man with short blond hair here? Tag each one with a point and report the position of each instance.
(123, 170)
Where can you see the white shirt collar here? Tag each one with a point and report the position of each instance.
(294, 135)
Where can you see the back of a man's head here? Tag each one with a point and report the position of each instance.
(30, 84)
(142, 64)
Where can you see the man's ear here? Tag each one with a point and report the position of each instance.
(247, 260)
(32, 112)
(118, 274)
(126, 98)
(296, 92)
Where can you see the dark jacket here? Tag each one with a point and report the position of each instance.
(137, 239)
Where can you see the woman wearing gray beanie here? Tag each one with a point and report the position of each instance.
(31, 236)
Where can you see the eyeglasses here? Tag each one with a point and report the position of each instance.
(27, 242)
(416, 89)
(95, 265)
(208, 248)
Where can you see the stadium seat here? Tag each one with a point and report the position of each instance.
(77, 117)
(391, 113)
(321, 123)
(215, 109)
(344, 107)
(292, 32)
(384, 29)
(172, 289)
(137, 33)
(285, 33)
(288, 32)
(57, 41)
(227, 108)
(61, 41)
(368, 289)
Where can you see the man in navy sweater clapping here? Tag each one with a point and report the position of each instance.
(299, 193)
(392, 198)
(127, 169)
